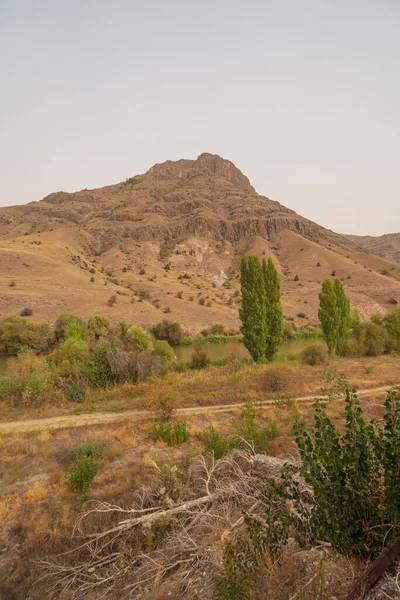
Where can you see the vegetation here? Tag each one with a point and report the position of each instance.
(334, 315)
(261, 311)
(313, 355)
(17, 334)
(170, 331)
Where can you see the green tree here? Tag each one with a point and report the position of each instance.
(273, 309)
(328, 314)
(344, 316)
(391, 323)
(253, 310)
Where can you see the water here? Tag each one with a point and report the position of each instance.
(220, 351)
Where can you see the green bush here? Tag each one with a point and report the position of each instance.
(314, 355)
(82, 474)
(72, 353)
(163, 349)
(214, 442)
(169, 331)
(76, 393)
(171, 433)
(250, 430)
(17, 334)
(141, 339)
(71, 322)
(98, 325)
(334, 384)
(371, 340)
(360, 469)
(391, 323)
(199, 359)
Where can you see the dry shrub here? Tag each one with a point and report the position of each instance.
(315, 354)
(274, 380)
(163, 401)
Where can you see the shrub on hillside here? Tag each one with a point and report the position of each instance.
(164, 350)
(370, 338)
(98, 325)
(391, 323)
(315, 354)
(17, 334)
(288, 330)
(26, 312)
(29, 378)
(170, 331)
(214, 443)
(67, 322)
(199, 359)
(140, 338)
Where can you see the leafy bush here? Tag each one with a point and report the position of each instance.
(98, 325)
(288, 330)
(391, 323)
(76, 393)
(85, 468)
(26, 312)
(17, 334)
(171, 433)
(334, 385)
(371, 338)
(112, 300)
(170, 331)
(313, 355)
(71, 354)
(214, 442)
(360, 469)
(28, 378)
(65, 322)
(141, 339)
(202, 301)
(164, 350)
(250, 430)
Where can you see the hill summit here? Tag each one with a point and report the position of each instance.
(175, 235)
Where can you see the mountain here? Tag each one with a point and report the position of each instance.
(386, 246)
(164, 240)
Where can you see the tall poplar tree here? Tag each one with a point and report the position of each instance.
(343, 307)
(334, 314)
(273, 309)
(253, 310)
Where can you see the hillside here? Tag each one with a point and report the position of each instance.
(164, 240)
(386, 246)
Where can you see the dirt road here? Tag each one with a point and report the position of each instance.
(82, 420)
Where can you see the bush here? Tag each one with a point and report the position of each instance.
(296, 278)
(17, 334)
(214, 443)
(170, 331)
(288, 331)
(216, 329)
(164, 350)
(393, 301)
(202, 301)
(72, 353)
(29, 377)
(334, 385)
(82, 474)
(199, 359)
(76, 393)
(98, 325)
(357, 467)
(65, 321)
(391, 323)
(314, 355)
(371, 340)
(274, 380)
(172, 434)
(26, 312)
(141, 339)
(302, 315)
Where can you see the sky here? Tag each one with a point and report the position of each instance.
(302, 95)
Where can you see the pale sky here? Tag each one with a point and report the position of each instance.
(302, 95)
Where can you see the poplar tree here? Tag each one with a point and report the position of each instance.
(344, 316)
(253, 310)
(334, 314)
(273, 309)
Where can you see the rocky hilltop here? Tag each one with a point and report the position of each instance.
(175, 233)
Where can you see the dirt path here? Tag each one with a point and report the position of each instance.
(111, 417)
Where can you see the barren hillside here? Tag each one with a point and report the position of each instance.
(164, 241)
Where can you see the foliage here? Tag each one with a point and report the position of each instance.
(359, 468)
(288, 330)
(313, 355)
(275, 323)
(164, 350)
(214, 442)
(98, 325)
(76, 393)
(274, 380)
(199, 359)
(391, 323)
(17, 334)
(250, 430)
(170, 331)
(28, 377)
(112, 300)
(370, 339)
(85, 468)
(71, 354)
(328, 314)
(65, 322)
(26, 312)
(344, 324)
(173, 433)
(253, 310)
(141, 339)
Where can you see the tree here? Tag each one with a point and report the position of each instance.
(391, 323)
(273, 309)
(335, 315)
(344, 314)
(328, 314)
(253, 310)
